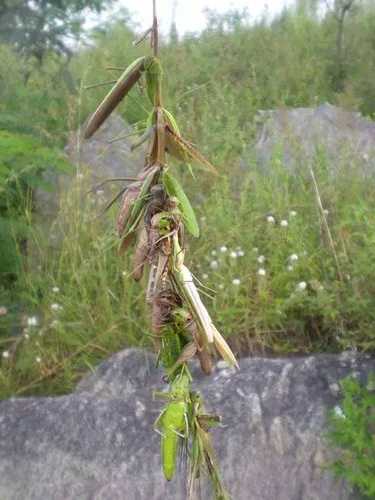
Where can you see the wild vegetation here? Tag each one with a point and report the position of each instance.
(264, 251)
(352, 429)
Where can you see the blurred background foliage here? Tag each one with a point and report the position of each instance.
(73, 307)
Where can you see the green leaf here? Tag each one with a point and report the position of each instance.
(174, 188)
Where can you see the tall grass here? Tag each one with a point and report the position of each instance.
(264, 252)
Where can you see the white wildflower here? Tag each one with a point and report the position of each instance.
(56, 307)
(271, 219)
(5, 354)
(205, 276)
(302, 285)
(124, 273)
(38, 359)
(292, 213)
(284, 223)
(3, 311)
(261, 272)
(214, 264)
(255, 249)
(203, 218)
(339, 412)
(221, 286)
(290, 267)
(293, 257)
(261, 259)
(236, 281)
(55, 289)
(26, 336)
(240, 253)
(223, 249)
(213, 253)
(233, 255)
(32, 321)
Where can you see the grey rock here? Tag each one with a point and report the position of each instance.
(300, 135)
(99, 443)
(96, 159)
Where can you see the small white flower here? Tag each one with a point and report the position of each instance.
(290, 267)
(205, 276)
(293, 257)
(261, 272)
(213, 253)
(26, 336)
(365, 156)
(284, 223)
(326, 212)
(271, 219)
(5, 354)
(339, 412)
(292, 213)
(203, 218)
(223, 249)
(236, 281)
(302, 285)
(124, 273)
(32, 321)
(55, 289)
(38, 359)
(240, 253)
(261, 259)
(233, 255)
(56, 307)
(221, 286)
(214, 264)
(255, 249)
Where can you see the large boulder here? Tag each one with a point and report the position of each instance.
(99, 443)
(346, 139)
(96, 159)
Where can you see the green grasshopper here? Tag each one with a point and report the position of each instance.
(172, 422)
(124, 84)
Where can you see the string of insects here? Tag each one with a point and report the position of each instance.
(155, 215)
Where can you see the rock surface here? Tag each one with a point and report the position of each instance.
(298, 135)
(98, 443)
(96, 159)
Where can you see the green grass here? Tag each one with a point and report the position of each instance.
(276, 284)
(263, 300)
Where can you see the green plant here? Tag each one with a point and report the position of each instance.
(23, 161)
(352, 430)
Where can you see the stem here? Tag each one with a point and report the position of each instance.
(155, 31)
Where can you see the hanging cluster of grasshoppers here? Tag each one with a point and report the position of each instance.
(154, 213)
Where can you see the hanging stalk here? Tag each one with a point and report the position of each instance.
(154, 212)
